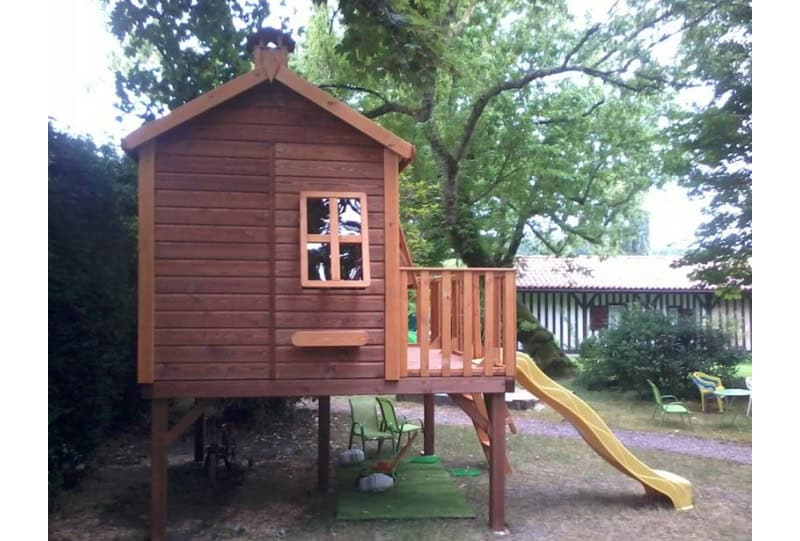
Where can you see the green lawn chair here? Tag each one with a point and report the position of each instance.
(365, 423)
(397, 426)
(668, 404)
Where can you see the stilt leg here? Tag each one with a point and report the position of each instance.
(323, 443)
(429, 405)
(158, 469)
(497, 470)
(199, 438)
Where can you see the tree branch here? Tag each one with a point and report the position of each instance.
(484, 99)
(385, 108)
(553, 248)
(576, 231)
(500, 176)
(516, 238)
(356, 88)
(389, 107)
(581, 42)
(581, 199)
(566, 119)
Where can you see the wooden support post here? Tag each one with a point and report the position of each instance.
(497, 469)
(146, 288)
(323, 442)
(403, 324)
(393, 324)
(200, 438)
(158, 469)
(430, 407)
(510, 323)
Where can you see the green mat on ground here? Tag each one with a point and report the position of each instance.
(465, 472)
(421, 491)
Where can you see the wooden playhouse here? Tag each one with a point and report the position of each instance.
(272, 263)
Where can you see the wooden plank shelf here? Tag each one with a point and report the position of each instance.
(329, 338)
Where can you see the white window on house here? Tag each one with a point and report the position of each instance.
(334, 239)
(615, 315)
(677, 313)
(673, 313)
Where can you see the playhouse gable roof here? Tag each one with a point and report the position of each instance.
(266, 72)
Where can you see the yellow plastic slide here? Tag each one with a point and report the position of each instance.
(599, 436)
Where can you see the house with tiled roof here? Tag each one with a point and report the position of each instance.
(576, 297)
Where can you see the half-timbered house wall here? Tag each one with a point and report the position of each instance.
(567, 314)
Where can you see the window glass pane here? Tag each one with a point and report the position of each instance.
(318, 215)
(349, 216)
(319, 261)
(350, 262)
(672, 313)
(614, 315)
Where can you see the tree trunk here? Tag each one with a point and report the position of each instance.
(539, 343)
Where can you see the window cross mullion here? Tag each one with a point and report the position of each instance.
(334, 221)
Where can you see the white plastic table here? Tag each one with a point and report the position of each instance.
(732, 394)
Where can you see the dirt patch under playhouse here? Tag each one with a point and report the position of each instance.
(559, 489)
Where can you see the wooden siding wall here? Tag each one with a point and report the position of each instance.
(566, 313)
(228, 295)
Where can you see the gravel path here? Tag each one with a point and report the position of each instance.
(660, 441)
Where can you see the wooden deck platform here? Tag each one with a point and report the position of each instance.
(436, 364)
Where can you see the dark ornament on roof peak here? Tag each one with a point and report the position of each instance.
(270, 36)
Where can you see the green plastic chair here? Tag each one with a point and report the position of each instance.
(668, 404)
(397, 426)
(365, 423)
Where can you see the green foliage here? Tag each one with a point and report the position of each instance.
(647, 345)
(92, 300)
(177, 49)
(717, 141)
(507, 145)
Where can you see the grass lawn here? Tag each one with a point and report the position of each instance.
(744, 370)
(626, 410)
(559, 490)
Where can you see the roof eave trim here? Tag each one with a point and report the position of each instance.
(237, 86)
(344, 112)
(193, 108)
(616, 289)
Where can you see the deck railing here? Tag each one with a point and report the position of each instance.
(462, 314)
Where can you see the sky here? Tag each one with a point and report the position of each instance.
(81, 100)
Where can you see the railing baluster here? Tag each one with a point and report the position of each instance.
(466, 349)
(489, 324)
(477, 342)
(455, 312)
(498, 314)
(447, 338)
(457, 315)
(423, 322)
(509, 322)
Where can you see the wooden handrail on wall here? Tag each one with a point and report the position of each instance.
(467, 312)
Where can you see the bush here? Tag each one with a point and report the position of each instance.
(91, 301)
(647, 345)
